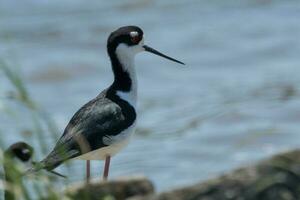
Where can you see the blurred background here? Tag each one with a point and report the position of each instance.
(236, 102)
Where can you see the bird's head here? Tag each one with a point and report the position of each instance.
(127, 41)
(19, 153)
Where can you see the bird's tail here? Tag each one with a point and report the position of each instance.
(37, 166)
(57, 174)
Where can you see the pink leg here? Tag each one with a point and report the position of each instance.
(106, 168)
(88, 171)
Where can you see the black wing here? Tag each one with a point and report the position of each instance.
(97, 119)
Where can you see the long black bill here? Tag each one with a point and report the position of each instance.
(149, 49)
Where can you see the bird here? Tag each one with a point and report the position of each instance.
(104, 125)
(16, 159)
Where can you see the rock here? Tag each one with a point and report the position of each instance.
(277, 178)
(111, 190)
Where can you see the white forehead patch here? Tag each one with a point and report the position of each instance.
(134, 34)
(25, 151)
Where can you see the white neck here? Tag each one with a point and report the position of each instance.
(126, 57)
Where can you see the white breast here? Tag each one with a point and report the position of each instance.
(115, 144)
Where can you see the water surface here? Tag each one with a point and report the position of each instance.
(236, 102)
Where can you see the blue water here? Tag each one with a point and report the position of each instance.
(236, 101)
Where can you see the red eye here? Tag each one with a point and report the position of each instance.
(135, 39)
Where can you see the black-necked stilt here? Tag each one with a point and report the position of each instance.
(20, 150)
(104, 125)
(16, 159)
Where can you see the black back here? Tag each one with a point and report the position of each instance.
(105, 116)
